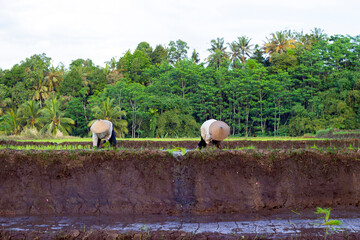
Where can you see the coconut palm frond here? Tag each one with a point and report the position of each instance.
(107, 110)
(53, 118)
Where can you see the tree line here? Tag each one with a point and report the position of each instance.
(295, 83)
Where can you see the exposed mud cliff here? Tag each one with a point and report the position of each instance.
(154, 182)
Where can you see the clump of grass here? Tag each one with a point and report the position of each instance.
(246, 148)
(177, 149)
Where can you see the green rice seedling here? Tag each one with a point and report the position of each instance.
(143, 228)
(329, 223)
(314, 147)
(273, 156)
(332, 150)
(106, 145)
(351, 146)
(246, 148)
(257, 155)
(326, 217)
(297, 213)
(46, 148)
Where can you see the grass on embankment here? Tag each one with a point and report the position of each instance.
(47, 147)
(78, 139)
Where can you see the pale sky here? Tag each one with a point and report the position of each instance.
(66, 30)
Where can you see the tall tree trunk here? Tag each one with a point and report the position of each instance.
(84, 106)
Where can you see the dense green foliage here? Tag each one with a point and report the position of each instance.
(295, 84)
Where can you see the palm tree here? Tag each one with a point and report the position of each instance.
(217, 52)
(153, 120)
(5, 105)
(54, 79)
(114, 114)
(30, 110)
(41, 91)
(53, 119)
(318, 34)
(11, 122)
(235, 53)
(83, 71)
(195, 57)
(279, 42)
(244, 47)
(218, 45)
(240, 49)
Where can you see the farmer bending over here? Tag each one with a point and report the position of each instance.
(103, 129)
(213, 131)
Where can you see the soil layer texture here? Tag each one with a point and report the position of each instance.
(139, 182)
(155, 182)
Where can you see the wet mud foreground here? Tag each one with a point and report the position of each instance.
(280, 226)
(152, 182)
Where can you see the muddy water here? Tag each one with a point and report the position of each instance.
(287, 224)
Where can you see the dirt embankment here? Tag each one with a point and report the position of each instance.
(263, 145)
(154, 182)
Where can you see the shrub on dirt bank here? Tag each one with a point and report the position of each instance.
(336, 133)
(174, 123)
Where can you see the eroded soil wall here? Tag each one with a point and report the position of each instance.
(154, 182)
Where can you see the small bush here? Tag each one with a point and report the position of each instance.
(32, 133)
(324, 133)
(309, 135)
(336, 133)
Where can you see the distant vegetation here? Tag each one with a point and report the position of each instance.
(296, 83)
(336, 133)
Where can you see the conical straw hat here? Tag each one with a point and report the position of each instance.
(219, 130)
(100, 126)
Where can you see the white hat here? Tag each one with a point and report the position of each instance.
(219, 130)
(100, 126)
